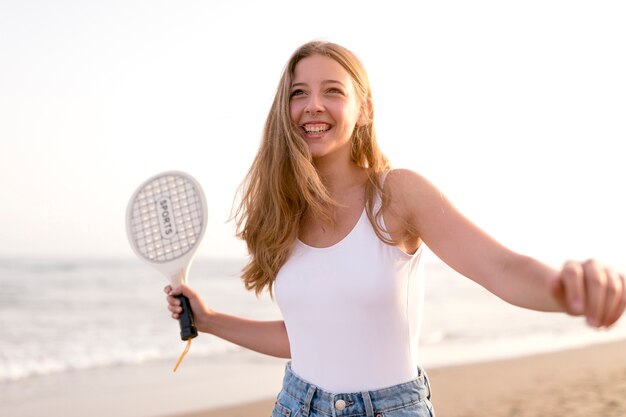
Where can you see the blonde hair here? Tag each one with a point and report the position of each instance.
(283, 184)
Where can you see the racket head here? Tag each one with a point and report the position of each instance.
(166, 219)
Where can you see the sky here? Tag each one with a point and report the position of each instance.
(515, 110)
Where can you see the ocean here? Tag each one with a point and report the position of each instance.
(61, 316)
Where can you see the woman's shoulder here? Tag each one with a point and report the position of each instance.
(406, 192)
(410, 192)
(405, 180)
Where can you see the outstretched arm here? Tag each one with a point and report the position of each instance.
(587, 288)
(267, 337)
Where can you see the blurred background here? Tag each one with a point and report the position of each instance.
(514, 109)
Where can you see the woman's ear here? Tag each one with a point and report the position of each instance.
(365, 113)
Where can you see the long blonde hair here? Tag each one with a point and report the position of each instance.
(283, 184)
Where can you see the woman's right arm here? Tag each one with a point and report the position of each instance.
(267, 337)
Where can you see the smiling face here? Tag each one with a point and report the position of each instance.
(324, 105)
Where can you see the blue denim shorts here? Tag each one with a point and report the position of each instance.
(299, 398)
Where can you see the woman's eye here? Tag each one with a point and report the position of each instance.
(296, 93)
(335, 91)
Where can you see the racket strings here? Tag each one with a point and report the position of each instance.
(187, 212)
(182, 355)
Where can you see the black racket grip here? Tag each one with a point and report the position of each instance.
(185, 319)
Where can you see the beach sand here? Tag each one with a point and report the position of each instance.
(589, 381)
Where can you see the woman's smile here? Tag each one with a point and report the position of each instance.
(315, 130)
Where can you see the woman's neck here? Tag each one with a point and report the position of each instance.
(341, 178)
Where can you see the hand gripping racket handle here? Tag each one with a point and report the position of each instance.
(185, 319)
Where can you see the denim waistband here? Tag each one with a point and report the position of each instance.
(358, 403)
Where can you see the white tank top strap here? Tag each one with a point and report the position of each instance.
(383, 176)
(380, 221)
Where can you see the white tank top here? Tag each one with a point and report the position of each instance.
(352, 312)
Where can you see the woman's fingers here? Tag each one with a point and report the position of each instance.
(173, 303)
(592, 290)
(572, 279)
(616, 296)
(596, 283)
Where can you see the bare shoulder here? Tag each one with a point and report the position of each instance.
(403, 176)
(412, 199)
(405, 185)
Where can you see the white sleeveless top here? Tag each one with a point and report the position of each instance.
(352, 312)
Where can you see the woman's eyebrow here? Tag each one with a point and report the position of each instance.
(303, 84)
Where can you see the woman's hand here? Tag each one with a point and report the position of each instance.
(592, 290)
(199, 308)
(267, 337)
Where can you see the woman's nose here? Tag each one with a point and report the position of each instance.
(314, 105)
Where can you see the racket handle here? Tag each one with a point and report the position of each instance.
(185, 319)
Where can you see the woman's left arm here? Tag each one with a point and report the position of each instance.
(579, 288)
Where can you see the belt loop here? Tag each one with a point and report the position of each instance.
(369, 407)
(427, 383)
(306, 407)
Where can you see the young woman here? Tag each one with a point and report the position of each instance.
(337, 236)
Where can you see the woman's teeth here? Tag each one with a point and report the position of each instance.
(315, 128)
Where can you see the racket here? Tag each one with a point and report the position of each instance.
(166, 219)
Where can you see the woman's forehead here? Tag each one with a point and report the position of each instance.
(320, 68)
